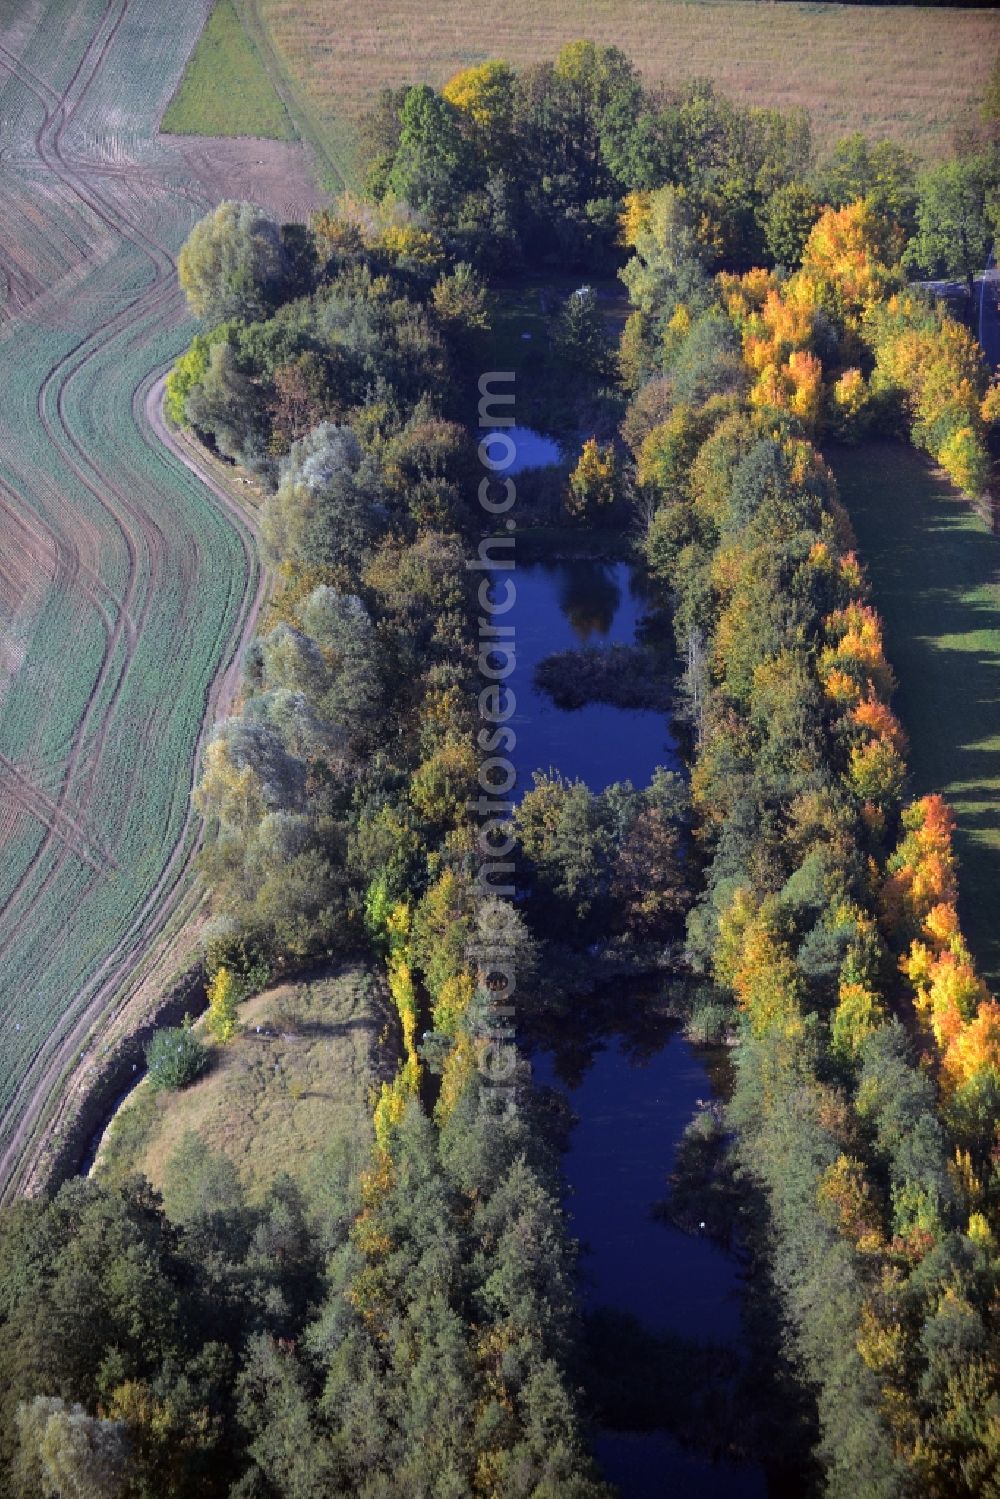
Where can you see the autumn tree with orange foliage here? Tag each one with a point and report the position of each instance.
(919, 903)
(929, 371)
(799, 773)
(842, 259)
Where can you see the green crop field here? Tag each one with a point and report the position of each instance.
(225, 89)
(934, 570)
(125, 587)
(912, 74)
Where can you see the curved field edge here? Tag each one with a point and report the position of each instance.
(105, 743)
(85, 1080)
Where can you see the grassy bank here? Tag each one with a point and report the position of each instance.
(933, 567)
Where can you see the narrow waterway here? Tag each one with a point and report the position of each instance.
(632, 1101)
(563, 606)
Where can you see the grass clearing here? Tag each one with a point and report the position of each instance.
(225, 89)
(933, 567)
(135, 585)
(273, 1101)
(907, 73)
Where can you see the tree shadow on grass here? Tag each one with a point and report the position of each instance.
(933, 568)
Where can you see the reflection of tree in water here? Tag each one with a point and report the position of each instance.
(639, 1013)
(589, 597)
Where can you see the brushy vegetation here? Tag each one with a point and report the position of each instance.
(225, 89)
(175, 1056)
(414, 1328)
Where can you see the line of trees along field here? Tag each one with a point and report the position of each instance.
(413, 1330)
(828, 911)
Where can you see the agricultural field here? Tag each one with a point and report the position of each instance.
(910, 74)
(294, 1081)
(225, 89)
(126, 588)
(934, 570)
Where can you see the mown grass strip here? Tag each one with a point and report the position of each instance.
(934, 567)
(225, 89)
(332, 140)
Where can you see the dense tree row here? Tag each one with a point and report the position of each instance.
(532, 166)
(840, 346)
(875, 1141)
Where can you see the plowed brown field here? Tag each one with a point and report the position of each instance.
(127, 586)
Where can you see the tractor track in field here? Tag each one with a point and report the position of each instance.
(135, 528)
(65, 815)
(60, 823)
(136, 531)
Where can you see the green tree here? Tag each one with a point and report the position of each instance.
(248, 772)
(174, 1058)
(228, 407)
(93, 1291)
(562, 828)
(189, 372)
(955, 220)
(787, 217)
(327, 509)
(231, 265)
(66, 1454)
(285, 1443)
(668, 267)
(378, 137)
(884, 173)
(198, 1182)
(461, 304)
(434, 164)
(581, 340)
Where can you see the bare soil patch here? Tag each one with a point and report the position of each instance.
(276, 175)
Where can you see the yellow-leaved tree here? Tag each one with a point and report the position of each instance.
(222, 998)
(593, 484)
(843, 258)
(484, 97)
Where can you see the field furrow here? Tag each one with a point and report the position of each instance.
(126, 588)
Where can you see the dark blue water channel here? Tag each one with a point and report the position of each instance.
(562, 606)
(631, 1106)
